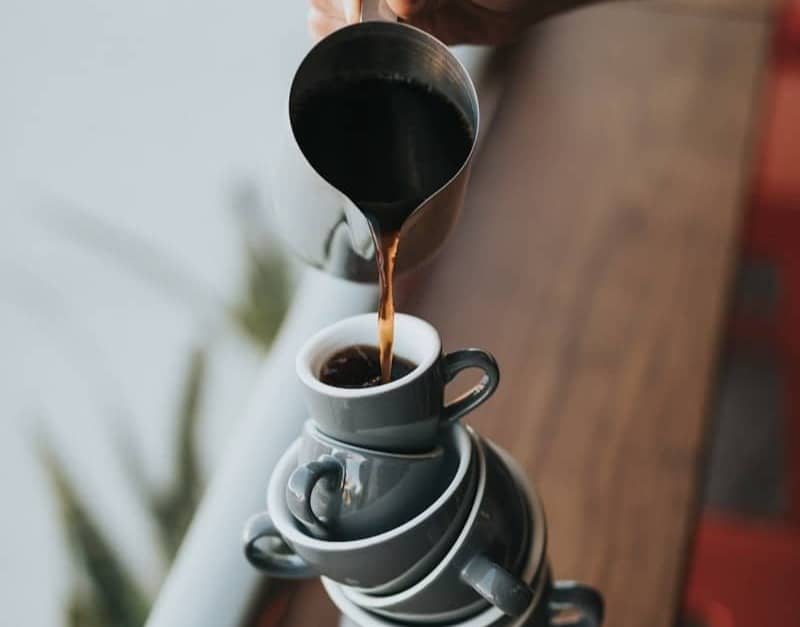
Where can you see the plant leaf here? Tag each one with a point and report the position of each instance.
(173, 508)
(83, 613)
(263, 304)
(133, 466)
(116, 598)
(261, 309)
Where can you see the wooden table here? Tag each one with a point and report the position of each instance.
(594, 259)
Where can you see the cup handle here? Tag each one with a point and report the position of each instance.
(282, 562)
(495, 584)
(302, 483)
(571, 595)
(376, 11)
(455, 362)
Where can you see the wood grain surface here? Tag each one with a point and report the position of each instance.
(593, 259)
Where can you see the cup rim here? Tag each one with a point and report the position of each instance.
(379, 602)
(319, 48)
(342, 33)
(286, 525)
(538, 543)
(533, 565)
(489, 616)
(309, 350)
(310, 427)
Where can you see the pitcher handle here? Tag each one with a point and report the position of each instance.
(376, 11)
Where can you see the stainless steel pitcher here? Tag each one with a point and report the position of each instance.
(320, 223)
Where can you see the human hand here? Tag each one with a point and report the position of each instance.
(452, 21)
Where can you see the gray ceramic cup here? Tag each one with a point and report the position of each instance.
(550, 598)
(489, 616)
(345, 492)
(380, 564)
(483, 564)
(406, 415)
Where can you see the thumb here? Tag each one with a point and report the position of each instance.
(408, 8)
(352, 10)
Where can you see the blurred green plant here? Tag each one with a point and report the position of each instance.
(256, 311)
(104, 593)
(267, 290)
(171, 508)
(259, 311)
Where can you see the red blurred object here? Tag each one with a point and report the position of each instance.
(745, 574)
(774, 221)
(741, 573)
(788, 34)
(708, 613)
(772, 232)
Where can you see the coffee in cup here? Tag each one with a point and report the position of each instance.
(359, 366)
(406, 415)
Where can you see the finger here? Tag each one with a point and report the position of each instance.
(334, 8)
(321, 24)
(352, 10)
(460, 23)
(408, 8)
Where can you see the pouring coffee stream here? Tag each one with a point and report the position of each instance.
(388, 144)
(383, 122)
(387, 256)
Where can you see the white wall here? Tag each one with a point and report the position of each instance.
(144, 113)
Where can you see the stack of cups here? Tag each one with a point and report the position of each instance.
(408, 516)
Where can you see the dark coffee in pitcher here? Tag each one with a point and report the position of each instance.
(360, 367)
(388, 144)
